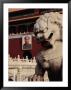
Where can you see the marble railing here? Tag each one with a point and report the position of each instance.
(21, 69)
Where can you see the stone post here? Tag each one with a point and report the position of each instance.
(19, 74)
(46, 78)
(18, 57)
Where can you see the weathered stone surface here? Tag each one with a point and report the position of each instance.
(48, 31)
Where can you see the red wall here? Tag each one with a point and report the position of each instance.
(15, 47)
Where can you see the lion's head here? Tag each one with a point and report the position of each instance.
(48, 28)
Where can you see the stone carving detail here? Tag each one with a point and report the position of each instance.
(48, 32)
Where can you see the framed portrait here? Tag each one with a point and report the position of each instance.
(27, 42)
(21, 72)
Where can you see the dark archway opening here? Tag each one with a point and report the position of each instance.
(27, 53)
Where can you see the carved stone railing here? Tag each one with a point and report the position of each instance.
(21, 69)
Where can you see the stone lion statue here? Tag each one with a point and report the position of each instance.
(48, 32)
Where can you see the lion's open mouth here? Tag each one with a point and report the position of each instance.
(41, 39)
(46, 44)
